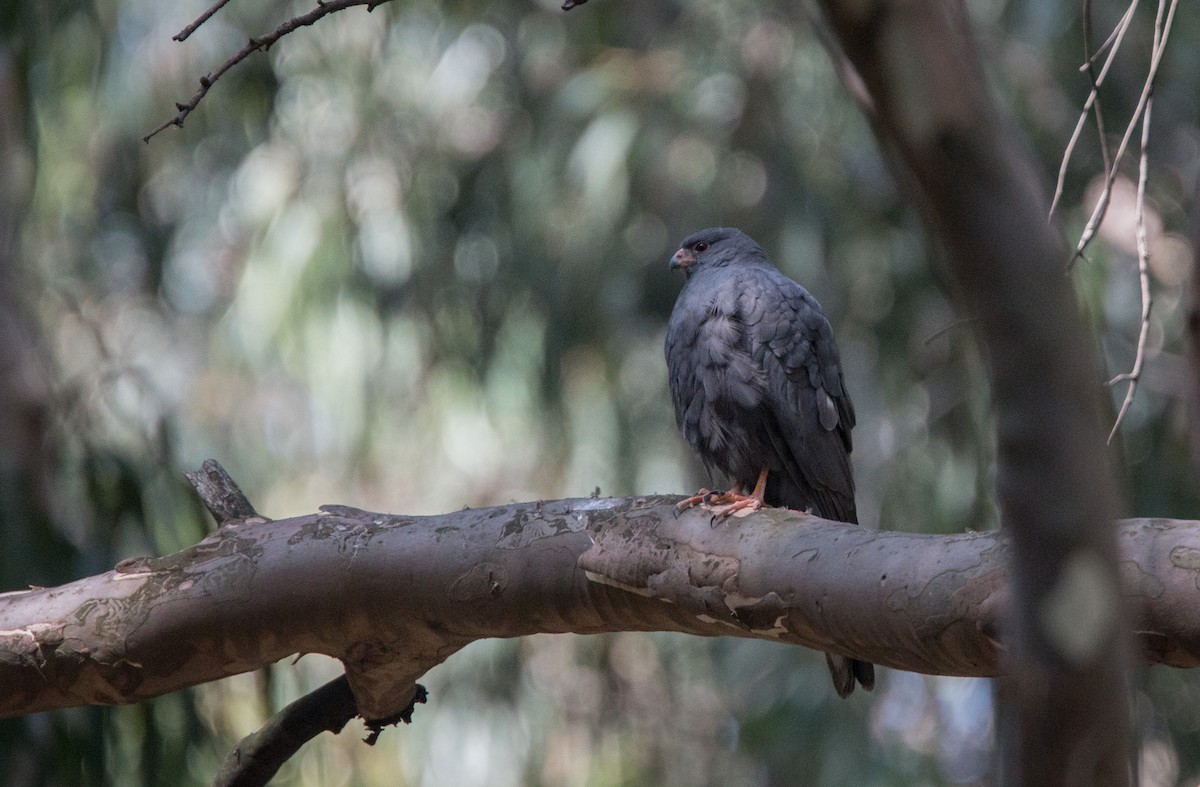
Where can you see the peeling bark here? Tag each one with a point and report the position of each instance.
(392, 596)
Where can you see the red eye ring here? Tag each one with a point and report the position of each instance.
(701, 246)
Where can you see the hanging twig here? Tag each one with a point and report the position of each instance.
(1162, 30)
(1113, 37)
(1089, 66)
(1143, 249)
(1112, 45)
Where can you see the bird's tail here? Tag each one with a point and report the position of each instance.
(845, 671)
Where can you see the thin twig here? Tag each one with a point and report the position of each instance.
(1162, 29)
(1113, 44)
(1090, 67)
(1134, 375)
(324, 8)
(1143, 246)
(194, 26)
(1112, 40)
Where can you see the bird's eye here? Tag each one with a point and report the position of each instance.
(701, 246)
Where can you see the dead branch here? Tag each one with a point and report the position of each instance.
(221, 496)
(262, 43)
(259, 756)
(183, 34)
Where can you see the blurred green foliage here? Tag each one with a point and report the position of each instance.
(416, 259)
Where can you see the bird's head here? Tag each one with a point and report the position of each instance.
(714, 247)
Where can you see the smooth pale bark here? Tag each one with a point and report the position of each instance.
(392, 596)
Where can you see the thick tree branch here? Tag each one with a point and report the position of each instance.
(392, 596)
(1066, 697)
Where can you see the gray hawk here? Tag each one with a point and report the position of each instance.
(758, 390)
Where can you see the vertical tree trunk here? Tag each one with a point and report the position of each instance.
(1065, 719)
(1193, 330)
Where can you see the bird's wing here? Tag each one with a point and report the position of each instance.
(792, 343)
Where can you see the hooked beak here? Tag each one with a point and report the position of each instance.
(682, 259)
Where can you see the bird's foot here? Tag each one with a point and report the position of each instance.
(701, 498)
(722, 504)
(730, 504)
(736, 503)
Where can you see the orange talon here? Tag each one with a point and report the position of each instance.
(705, 498)
(732, 503)
(743, 506)
(697, 499)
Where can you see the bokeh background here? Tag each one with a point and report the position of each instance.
(415, 259)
